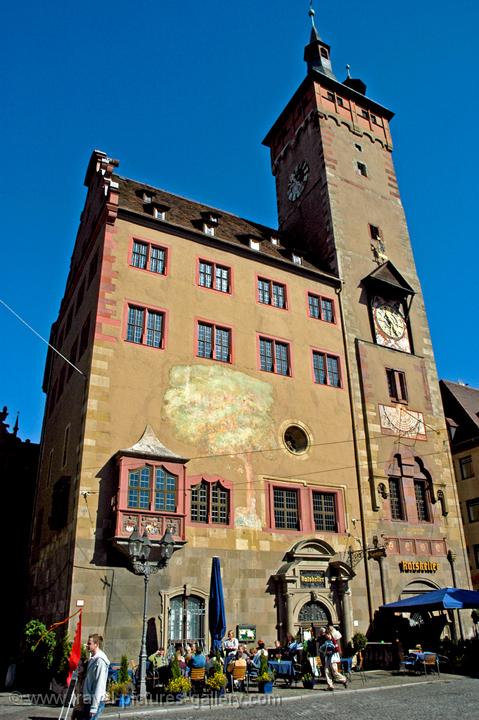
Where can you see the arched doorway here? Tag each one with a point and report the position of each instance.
(313, 613)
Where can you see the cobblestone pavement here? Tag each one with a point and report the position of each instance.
(375, 696)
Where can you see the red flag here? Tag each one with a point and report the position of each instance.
(75, 653)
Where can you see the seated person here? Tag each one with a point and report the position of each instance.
(261, 650)
(158, 659)
(277, 652)
(198, 660)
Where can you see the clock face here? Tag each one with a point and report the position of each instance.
(390, 324)
(297, 180)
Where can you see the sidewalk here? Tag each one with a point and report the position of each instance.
(11, 704)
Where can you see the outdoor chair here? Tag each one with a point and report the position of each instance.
(409, 663)
(252, 673)
(430, 661)
(238, 677)
(197, 677)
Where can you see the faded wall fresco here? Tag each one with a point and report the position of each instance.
(221, 410)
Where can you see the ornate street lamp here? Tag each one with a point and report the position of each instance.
(139, 549)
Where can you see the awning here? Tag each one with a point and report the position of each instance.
(442, 599)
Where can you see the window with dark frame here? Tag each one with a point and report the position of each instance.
(210, 503)
(473, 510)
(321, 308)
(214, 277)
(374, 232)
(286, 515)
(145, 326)
(147, 256)
(326, 369)
(324, 512)
(84, 337)
(214, 342)
(397, 387)
(80, 296)
(93, 268)
(466, 467)
(271, 293)
(362, 168)
(422, 506)
(395, 499)
(476, 555)
(274, 356)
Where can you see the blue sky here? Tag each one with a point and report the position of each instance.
(182, 93)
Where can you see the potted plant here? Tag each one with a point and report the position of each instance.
(121, 690)
(177, 685)
(308, 681)
(216, 682)
(359, 643)
(265, 676)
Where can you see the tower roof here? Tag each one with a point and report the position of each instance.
(149, 446)
(317, 52)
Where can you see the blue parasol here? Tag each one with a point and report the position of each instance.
(216, 607)
(441, 599)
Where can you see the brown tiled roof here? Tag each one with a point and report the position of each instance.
(467, 397)
(190, 215)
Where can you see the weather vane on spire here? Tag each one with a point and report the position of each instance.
(311, 13)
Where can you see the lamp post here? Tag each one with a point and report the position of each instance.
(139, 549)
(451, 557)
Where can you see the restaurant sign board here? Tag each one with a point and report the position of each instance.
(426, 566)
(312, 578)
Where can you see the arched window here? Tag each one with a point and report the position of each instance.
(314, 612)
(186, 621)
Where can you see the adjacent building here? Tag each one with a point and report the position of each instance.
(270, 394)
(461, 407)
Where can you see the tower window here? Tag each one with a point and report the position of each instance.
(422, 506)
(324, 53)
(362, 169)
(374, 119)
(473, 510)
(358, 147)
(340, 101)
(330, 96)
(395, 499)
(364, 114)
(374, 232)
(397, 385)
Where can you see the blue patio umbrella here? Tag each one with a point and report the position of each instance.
(441, 599)
(216, 607)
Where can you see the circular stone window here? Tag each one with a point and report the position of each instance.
(296, 440)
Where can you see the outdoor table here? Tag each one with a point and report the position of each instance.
(282, 668)
(346, 665)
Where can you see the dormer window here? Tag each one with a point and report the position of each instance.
(297, 259)
(255, 244)
(147, 198)
(274, 240)
(160, 214)
(210, 222)
(208, 229)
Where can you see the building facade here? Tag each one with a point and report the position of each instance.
(268, 394)
(461, 408)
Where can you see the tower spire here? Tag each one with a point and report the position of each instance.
(316, 53)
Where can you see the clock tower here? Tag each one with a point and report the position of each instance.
(338, 199)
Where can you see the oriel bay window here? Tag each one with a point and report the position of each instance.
(210, 500)
(145, 326)
(152, 488)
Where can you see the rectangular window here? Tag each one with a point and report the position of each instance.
(374, 232)
(139, 488)
(271, 293)
(274, 356)
(326, 369)
(80, 296)
(286, 509)
(476, 555)
(422, 507)
(324, 511)
(145, 326)
(397, 385)
(199, 502)
(214, 342)
(219, 504)
(210, 503)
(320, 308)
(466, 467)
(395, 499)
(473, 510)
(72, 358)
(214, 277)
(146, 256)
(93, 268)
(166, 488)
